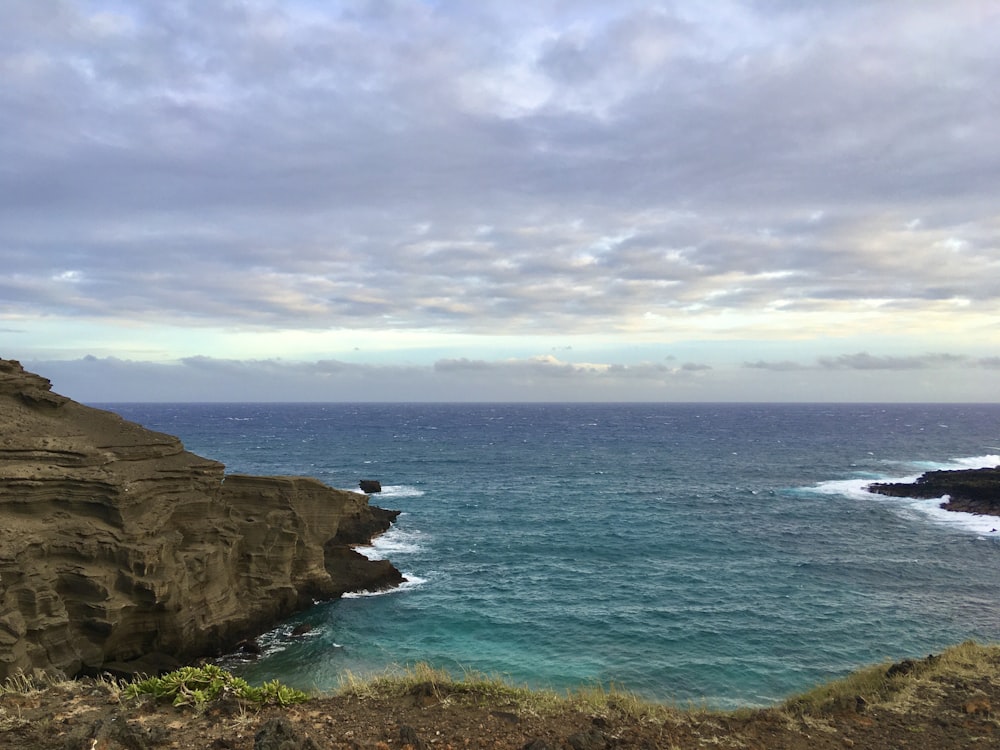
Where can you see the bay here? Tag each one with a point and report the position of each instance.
(721, 553)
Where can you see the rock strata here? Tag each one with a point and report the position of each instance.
(968, 490)
(118, 547)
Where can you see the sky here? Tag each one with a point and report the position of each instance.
(562, 200)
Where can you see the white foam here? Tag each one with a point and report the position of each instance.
(409, 583)
(393, 543)
(401, 490)
(974, 462)
(928, 508)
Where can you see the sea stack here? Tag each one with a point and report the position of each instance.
(121, 550)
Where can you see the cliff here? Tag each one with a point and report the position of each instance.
(120, 549)
(968, 490)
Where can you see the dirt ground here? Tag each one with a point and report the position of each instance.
(949, 710)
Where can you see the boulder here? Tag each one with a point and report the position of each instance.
(370, 486)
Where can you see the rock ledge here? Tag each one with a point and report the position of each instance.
(968, 490)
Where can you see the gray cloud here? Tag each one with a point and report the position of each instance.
(487, 170)
(108, 380)
(544, 378)
(865, 361)
(782, 366)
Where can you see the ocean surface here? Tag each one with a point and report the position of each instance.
(720, 553)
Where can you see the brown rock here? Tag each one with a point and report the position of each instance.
(980, 704)
(116, 543)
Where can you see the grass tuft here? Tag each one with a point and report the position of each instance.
(422, 681)
(895, 686)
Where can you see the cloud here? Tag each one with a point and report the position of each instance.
(782, 366)
(865, 361)
(478, 169)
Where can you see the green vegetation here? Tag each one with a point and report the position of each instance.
(196, 686)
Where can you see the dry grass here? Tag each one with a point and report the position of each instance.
(899, 687)
(23, 684)
(498, 693)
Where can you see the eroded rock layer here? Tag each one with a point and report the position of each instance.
(119, 546)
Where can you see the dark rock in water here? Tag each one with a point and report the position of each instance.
(368, 486)
(249, 646)
(968, 490)
(117, 544)
(302, 628)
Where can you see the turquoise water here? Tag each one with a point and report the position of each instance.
(719, 553)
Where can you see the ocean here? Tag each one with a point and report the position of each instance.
(725, 554)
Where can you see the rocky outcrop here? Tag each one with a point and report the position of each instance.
(118, 546)
(370, 486)
(968, 490)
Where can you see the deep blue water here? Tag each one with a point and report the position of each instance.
(712, 552)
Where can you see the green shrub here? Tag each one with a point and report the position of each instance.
(196, 686)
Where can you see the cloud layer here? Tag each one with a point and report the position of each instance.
(431, 164)
(665, 171)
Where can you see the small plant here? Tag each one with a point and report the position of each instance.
(196, 686)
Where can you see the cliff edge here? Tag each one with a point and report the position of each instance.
(120, 549)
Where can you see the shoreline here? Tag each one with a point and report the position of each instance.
(975, 491)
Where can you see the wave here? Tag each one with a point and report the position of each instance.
(409, 583)
(401, 490)
(273, 642)
(857, 489)
(393, 490)
(392, 543)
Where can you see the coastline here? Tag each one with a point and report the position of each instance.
(975, 491)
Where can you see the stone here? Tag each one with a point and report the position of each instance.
(591, 739)
(408, 738)
(979, 704)
(369, 486)
(279, 734)
(117, 544)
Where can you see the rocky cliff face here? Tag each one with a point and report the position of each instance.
(119, 546)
